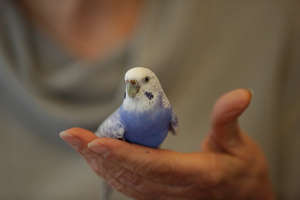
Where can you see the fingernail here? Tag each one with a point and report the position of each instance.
(251, 91)
(98, 148)
(71, 140)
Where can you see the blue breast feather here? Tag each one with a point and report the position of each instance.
(148, 128)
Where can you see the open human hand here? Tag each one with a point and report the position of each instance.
(230, 165)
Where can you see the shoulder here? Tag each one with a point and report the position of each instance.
(13, 34)
(112, 126)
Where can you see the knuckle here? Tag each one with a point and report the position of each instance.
(214, 175)
(164, 168)
(133, 180)
(115, 184)
(214, 179)
(119, 174)
(94, 165)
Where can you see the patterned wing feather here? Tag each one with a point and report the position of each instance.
(112, 127)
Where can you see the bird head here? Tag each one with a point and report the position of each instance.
(140, 80)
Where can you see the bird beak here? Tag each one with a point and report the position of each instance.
(132, 88)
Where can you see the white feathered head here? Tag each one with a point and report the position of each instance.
(143, 87)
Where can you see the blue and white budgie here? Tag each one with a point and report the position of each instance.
(145, 116)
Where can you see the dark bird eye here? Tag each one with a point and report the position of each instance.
(146, 79)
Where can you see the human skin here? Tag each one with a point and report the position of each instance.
(229, 166)
(87, 30)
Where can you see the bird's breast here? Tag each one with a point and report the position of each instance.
(147, 128)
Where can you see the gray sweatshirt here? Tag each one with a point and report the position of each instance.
(198, 49)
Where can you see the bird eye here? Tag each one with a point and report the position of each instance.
(146, 79)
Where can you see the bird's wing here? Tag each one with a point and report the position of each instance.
(173, 126)
(112, 127)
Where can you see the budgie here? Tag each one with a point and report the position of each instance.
(145, 116)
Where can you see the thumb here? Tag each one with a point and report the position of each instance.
(225, 132)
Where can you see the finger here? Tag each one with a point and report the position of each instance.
(225, 134)
(156, 164)
(79, 138)
(83, 135)
(133, 184)
(125, 169)
(120, 177)
(133, 157)
(125, 180)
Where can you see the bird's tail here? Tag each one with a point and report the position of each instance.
(105, 191)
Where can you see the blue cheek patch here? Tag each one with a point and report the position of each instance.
(149, 95)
